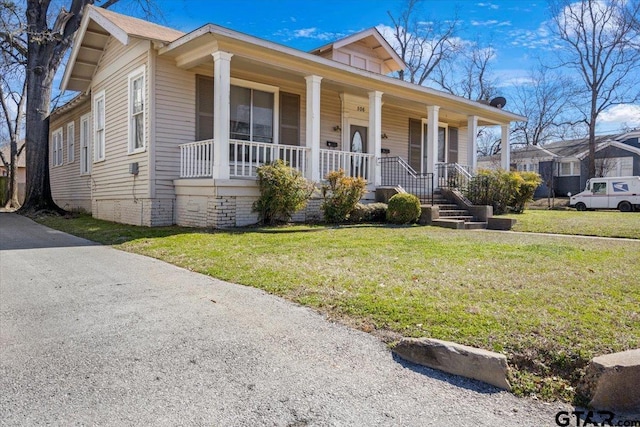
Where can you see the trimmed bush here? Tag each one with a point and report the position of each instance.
(283, 191)
(403, 208)
(341, 195)
(504, 190)
(372, 212)
(530, 181)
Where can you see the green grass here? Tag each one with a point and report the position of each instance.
(589, 223)
(548, 303)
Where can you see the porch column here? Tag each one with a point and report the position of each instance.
(221, 113)
(313, 126)
(375, 134)
(432, 139)
(505, 153)
(472, 144)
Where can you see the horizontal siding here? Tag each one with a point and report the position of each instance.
(330, 117)
(463, 146)
(175, 118)
(395, 123)
(111, 177)
(67, 185)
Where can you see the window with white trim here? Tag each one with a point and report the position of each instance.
(71, 142)
(568, 168)
(99, 127)
(85, 147)
(614, 166)
(253, 111)
(56, 147)
(136, 111)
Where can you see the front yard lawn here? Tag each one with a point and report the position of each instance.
(589, 223)
(549, 303)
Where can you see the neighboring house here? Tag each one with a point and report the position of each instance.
(565, 164)
(170, 127)
(21, 168)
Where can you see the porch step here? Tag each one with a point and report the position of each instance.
(466, 218)
(446, 206)
(456, 224)
(453, 212)
(475, 225)
(459, 224)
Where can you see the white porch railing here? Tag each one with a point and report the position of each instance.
(245, 157)
(196, 159)
(354, 164)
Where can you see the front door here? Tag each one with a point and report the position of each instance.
(442, 146)
(358, 144)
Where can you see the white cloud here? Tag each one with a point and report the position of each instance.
(308, 33)
(623, 114)
(484, 23)
(305, 32)
(489, 5)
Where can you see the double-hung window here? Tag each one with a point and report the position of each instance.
(56, 152)
(99, 127)
(71, 142)
(253, 111)
(569, 169)
(136, 111)
(85, 147)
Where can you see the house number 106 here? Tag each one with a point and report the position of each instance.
(360, 108)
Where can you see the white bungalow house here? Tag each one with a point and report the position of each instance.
(169, 128)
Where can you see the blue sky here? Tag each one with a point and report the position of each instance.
(516, 29)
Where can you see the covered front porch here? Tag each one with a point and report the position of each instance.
(255, 106)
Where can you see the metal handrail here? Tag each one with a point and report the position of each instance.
(395, 171)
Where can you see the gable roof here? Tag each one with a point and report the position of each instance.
(373, 40)
(195, 48)
(97, 26)
(610, 143)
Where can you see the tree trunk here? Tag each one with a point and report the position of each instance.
(40, 72)
(12, 200)
(592, 139)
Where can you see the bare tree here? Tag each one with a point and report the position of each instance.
(544, 101)
(422, 44)
(469, 74)
(601, 40)
(41, 48)
(12, 92)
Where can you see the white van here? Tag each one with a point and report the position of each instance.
(621, 193)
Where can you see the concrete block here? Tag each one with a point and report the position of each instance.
(480, 212)
(455, 224)
(497, 223)
(611, 381)
(457, 359)
(383, 194)
(428, 214)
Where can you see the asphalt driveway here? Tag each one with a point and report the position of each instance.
(90, 335)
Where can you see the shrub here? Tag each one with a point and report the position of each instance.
(283, 191)
(504, 190)
(530, 181)
(341, 195)
(372, 212)
(404, 208)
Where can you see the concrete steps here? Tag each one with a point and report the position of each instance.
(460, 224)
(452, 216)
